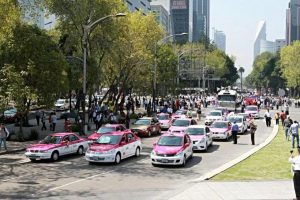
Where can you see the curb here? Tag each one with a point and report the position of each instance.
(242, 157)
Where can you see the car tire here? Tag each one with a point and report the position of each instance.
(137, 152)
(80, 150)
(183, 161)
(118, 158)
(54, 156)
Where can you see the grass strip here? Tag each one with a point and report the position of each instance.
(270, 163)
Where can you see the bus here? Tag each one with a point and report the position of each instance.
(228, 99)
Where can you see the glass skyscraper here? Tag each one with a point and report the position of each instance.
(293, 21)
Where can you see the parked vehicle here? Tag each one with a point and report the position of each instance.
(107, 128)
(213, 116)
(241, 121)
(55, 145)
(200, 136)
(253, 111)
(61, 104)
(10, 115)
(248, 118)
(114, 147)
(221, 130)
(179, 114)
(164, 120)
(146, 126)
(172, 149)
(180, 125)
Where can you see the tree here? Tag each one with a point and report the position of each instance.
(241, 70)
(32, 68)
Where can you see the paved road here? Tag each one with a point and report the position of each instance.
(134, 178)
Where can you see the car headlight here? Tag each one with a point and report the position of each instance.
(44, 151)
(153, 153)
(109, 152)
(202, 140)
(179, 153)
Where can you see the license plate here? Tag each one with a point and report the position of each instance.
(195, 148)
(164, 160)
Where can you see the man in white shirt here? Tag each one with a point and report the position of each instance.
(294, 130)
(268, 118)
(295, 161)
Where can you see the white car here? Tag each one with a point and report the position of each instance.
(213, 116)
(55, 145)
(201, 137)
(114, 147)
(252, 111)
(61, 104)
(240, 121)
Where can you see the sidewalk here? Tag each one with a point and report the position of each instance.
(254, 190)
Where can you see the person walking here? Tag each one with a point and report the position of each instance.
(3, 136)
(199, 112)
(277, 117)
(38, 117)
(268, 118)
(286, 108)
(282, 116)
(295, 161)
(253, 128)
(234, 131)
(43, 120)
(54, 121)
(294, 129)
(287, 124)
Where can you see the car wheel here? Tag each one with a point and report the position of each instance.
(54, 156)
(211, 143)
(137, 152)
(149, 134)
(118, 158)
(80, 150)
(183, 161)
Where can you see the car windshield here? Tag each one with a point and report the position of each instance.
(105, 130)
(181, 112)
(109, 139)
(251, 108)
(214, 114)
(235, 119)
(180, 122)
(170, 141)
(226, 97)
(142, 122)
(60, 102)
(51, 140)
(219, 125)
(163, 117)
(195, 131)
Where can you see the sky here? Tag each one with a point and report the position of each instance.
(239, 19)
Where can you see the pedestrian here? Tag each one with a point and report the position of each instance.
(38, 117)
(127, 121)
(199, 112)
(282, 116)
(54, 121)
(268, 118)
(4, 134)
(234, 131)
(295, 133)
(295, 161)
(287, 124)
(286, 109)
(253, 128)
(43, 120)
(277, 117)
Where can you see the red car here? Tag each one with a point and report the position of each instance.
(107, 128)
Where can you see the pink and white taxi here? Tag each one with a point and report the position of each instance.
(164, 120)
(55, 145)
(253, 111)
(221, 130)
(200, 136)
(172, 149)
(180, 125)
(113, 147)
(179, 114)
(107, 128)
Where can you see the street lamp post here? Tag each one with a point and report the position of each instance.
(155, 66)
(86, 31)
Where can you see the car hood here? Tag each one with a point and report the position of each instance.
(141, 127)
(164, 121)
(196, 137)
(177, 128)
(43, 147)
(218, 130)
(94, 136)
(102, 147)
(167, 149)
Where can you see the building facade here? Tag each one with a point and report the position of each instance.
(179, 11)
(162, 16)
(267, 46)
(220, 40)
(139, 5)
(279, 44)
(32, 13)
(260, 35)
(293, 22)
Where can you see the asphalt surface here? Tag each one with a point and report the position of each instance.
(135, 178)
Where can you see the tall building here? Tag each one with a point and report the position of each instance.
(179, 10)
(293, 22)
(279, 44)
(199, 19)
(220, 40)
(260, 35)
(267, 46)
(162, 16)
(32, 13)
(139, 5)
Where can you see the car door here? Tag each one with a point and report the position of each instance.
(74, 143)
(153, 126)
(131, 142)
(208, 135)
(188, 143)
(124, 148)
(66, 147)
